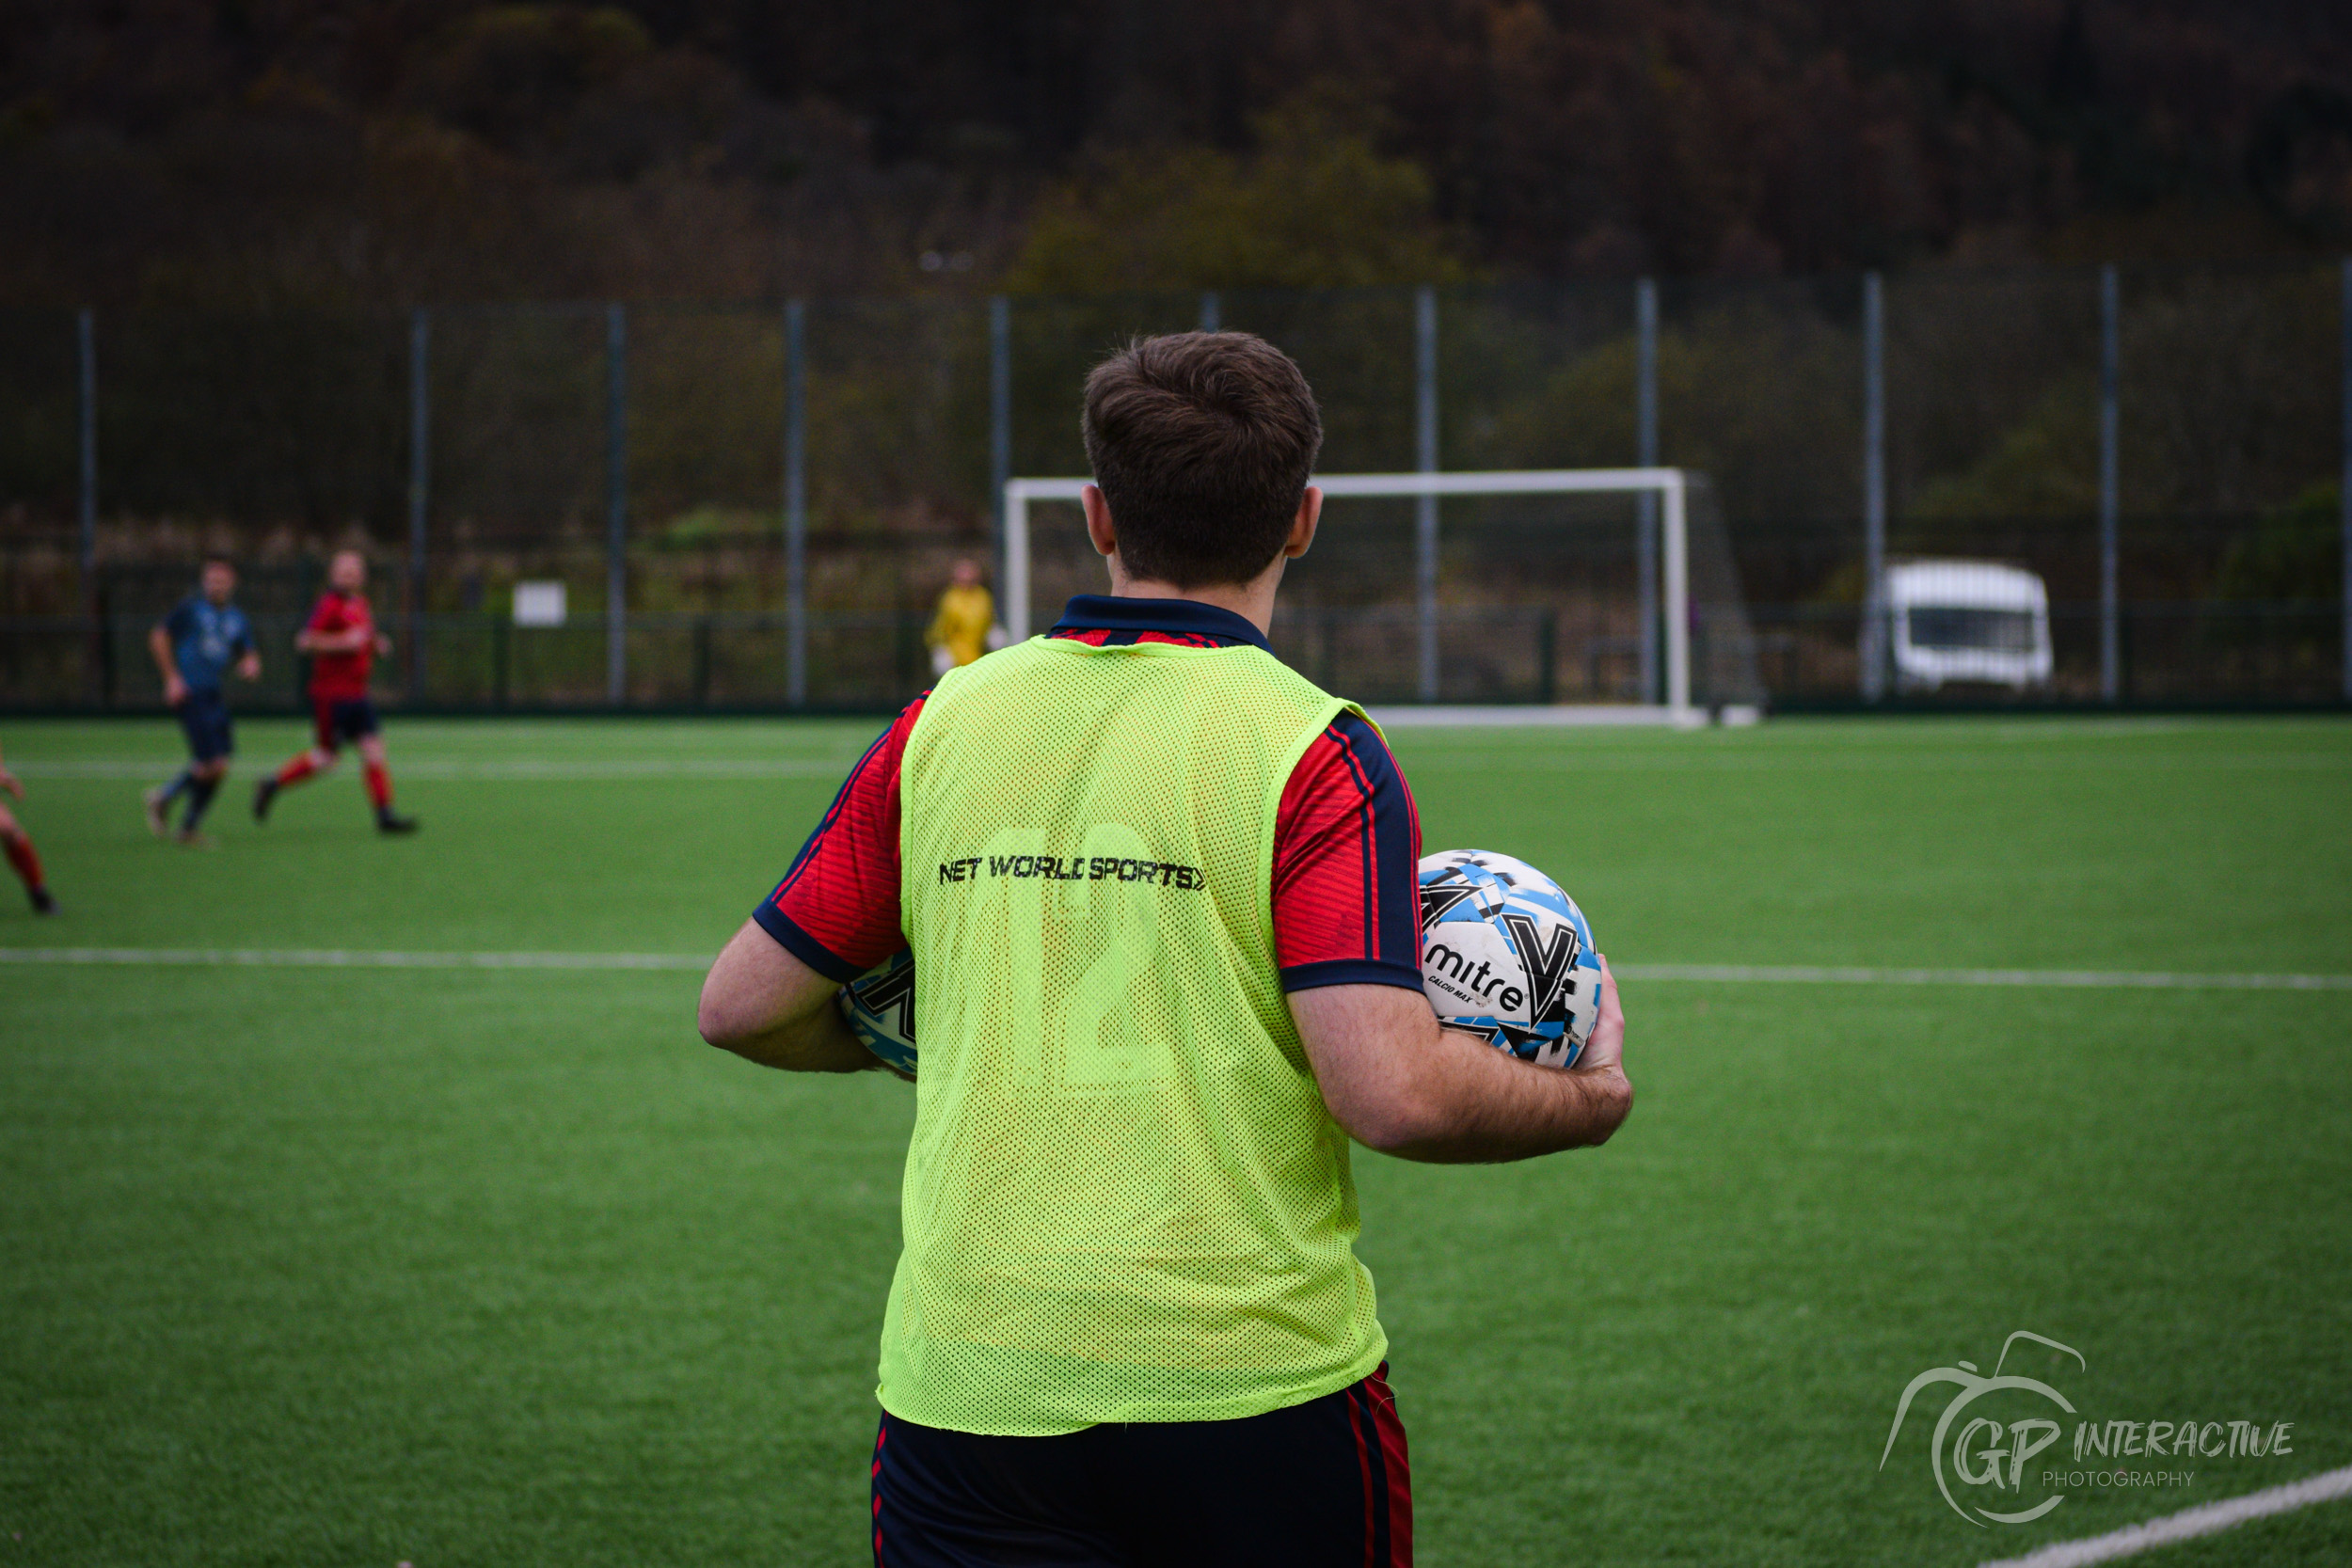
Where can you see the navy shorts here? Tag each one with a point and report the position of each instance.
(204, 720)
(341, 719)
(1317, 1486)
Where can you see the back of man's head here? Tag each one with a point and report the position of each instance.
(1202, 443)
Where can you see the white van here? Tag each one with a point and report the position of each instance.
(1967, 621)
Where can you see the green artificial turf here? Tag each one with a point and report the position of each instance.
(347, 1266)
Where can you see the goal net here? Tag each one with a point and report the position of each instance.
(1596, 586)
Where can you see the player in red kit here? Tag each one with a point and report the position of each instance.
(17, 846)
(343, 645)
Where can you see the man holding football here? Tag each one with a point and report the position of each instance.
(1128, 1325)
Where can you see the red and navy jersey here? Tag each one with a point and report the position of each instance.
(340, 677)
(1346, 837)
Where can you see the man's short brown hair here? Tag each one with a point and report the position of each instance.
(1202, 443)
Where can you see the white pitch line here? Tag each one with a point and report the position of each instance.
(342, 957)
(337, 958)
(2123, 979)
(493, 769)
(2187, 1525)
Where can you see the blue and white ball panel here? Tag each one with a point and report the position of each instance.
(1508, 955)
(880, 1007)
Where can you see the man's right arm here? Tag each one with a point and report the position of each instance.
(159, 645)
(836, 914)
(1403, 1084)
(763, 1003)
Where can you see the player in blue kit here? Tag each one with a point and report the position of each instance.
(194, 647)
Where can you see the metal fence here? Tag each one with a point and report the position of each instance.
(753, 506)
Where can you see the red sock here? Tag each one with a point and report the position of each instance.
(379, 786)
(27, 864)
(296, 770)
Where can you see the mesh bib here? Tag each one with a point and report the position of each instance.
(1125, 1200)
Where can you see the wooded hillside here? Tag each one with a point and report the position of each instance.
(243, 152)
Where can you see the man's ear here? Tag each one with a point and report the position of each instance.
(1303, 526)
(1100, 529)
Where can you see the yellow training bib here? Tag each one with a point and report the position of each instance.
(1124, 1199)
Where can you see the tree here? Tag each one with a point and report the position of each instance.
(1316, 206)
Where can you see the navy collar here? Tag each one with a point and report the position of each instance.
(1176, 617)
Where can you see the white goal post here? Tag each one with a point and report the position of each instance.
(1668, 484)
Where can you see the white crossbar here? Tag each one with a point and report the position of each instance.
(1667, 483)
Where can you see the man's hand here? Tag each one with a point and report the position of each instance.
(766, 1005)
(250, 667)
(175, 689)
(383, 646)
(1402, 1083)
(1605, 1049)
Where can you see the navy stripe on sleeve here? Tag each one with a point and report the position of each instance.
(1351, 972)
(1391, 882)
(1347, 907)
(803, 946)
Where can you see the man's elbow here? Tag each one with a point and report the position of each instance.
(1399, 1121)
(720, 1024)
(1613, 1102)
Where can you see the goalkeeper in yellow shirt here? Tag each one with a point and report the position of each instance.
(961, 632)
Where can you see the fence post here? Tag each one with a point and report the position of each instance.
(1000, 440)
(616, 504)
(85, 343)
(420, 486)
(795, 503)
(2344, 486)
(1645, 448)
(1546, 654)
(2111, 499)
(1212, 311)
(1425, 507)
(1874, 616)
(501, 652)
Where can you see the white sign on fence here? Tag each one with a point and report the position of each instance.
(539, 604)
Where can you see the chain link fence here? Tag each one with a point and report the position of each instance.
(754, 507)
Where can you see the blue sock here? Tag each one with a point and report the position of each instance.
(179, 786)
(201, 792)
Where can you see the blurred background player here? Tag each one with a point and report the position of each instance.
(19, 848)
(961, 631)
(344, 645)
(193, 646)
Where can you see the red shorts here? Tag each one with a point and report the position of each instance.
(341, 719)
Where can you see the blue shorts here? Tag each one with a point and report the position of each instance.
(1322, 1484)
(204, 720)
